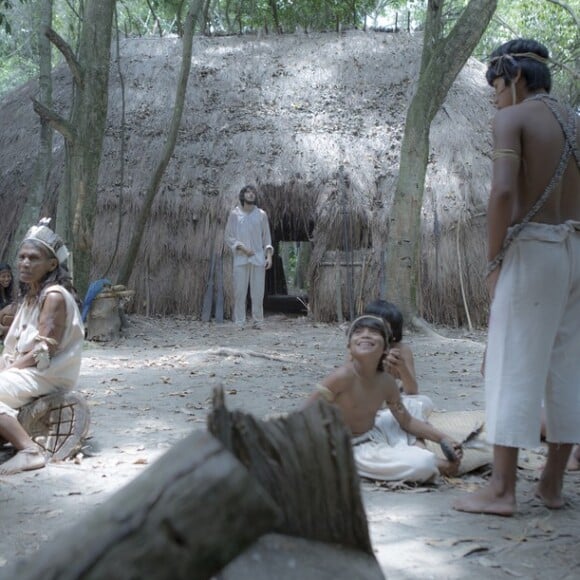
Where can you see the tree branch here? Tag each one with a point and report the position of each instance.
(460, 41)
(66, 51)
(55, 121)
(568, 9)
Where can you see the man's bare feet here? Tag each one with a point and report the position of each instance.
(550, 494)
(487, 501)
(24, 460)
(574, 461)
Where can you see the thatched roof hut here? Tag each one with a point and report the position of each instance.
(316, 121)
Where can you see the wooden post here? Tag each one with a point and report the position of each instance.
(186, 517)
(304, 461)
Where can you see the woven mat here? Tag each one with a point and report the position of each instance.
(458, 424)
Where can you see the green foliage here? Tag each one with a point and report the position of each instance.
(540, 19)
(550, 24)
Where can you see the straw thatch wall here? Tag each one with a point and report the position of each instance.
(316, 121)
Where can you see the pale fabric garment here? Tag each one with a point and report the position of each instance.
(255, 277)
(387, 453)
(533, 350)
(20, 386)
(253, 231)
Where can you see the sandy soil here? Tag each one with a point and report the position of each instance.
(153, 386)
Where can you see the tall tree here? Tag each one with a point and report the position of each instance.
(38, 194)
(84, 131)
(192, 17)
(444, 55)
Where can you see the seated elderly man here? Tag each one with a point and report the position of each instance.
(43, 348)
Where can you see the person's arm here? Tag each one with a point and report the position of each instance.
(230, 236)
(504, 186)
(400, 359)
(267, 241)
(416, 427)
(51, 327)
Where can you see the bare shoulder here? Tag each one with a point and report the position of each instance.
(53, 300)
(340, 380)
(509, 118)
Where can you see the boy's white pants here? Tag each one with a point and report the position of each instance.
(255, 277)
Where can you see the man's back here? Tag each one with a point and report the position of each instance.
(542, 141)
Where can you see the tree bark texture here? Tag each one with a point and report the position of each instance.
(38, 192)
(184, 518)
(305, 463)
(126, 268)
(442, 60)
(88, 119)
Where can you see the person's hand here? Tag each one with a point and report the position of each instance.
(268, 262)
(7, 320)
(451, 449)
(395, 362)
(245, 250)
(491, 282)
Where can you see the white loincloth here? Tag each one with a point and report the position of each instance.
(388, 453)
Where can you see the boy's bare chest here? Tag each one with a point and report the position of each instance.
(369, 396)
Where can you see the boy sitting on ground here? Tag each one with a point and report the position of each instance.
(387, 446)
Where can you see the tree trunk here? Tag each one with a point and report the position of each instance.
(38, 192)
(274, 8)
(84, 132)
(126, 269)
(185, 517)
(305, 463)
(442, 60)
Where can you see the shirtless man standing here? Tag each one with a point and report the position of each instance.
(533, 278)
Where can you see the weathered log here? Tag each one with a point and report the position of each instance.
(290, 558)
(305, 463)
(185, 517)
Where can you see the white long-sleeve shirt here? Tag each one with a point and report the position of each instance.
(252, 230)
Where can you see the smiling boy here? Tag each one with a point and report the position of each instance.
(386, 445)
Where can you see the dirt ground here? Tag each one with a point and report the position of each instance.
(153, 386)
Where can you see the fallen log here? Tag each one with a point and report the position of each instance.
(290, 558)
(304, 461)
(185, 517)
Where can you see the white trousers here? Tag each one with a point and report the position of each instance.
(254, 276)
(533, 350)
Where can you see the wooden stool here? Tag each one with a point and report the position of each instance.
(58, 423)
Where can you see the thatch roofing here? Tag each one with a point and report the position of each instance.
(285, 112)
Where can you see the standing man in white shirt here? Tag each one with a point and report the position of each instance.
(248, 236)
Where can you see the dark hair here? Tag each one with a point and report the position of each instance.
(391, 314)
(6, 294)
(522, 54)
(373, 323)
(244, 190)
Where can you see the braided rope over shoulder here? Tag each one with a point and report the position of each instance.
(570, 148)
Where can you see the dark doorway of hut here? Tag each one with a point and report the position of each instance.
(287, 280)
